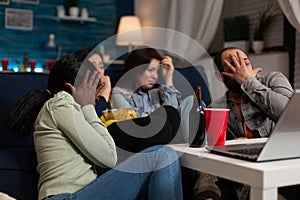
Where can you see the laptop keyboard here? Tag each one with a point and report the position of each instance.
(250, 149)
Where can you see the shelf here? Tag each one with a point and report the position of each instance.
(78, 19)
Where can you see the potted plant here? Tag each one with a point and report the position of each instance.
(73, 8)
(236, 32)
(266, 17)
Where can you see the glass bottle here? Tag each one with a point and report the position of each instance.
(25, 62)
(197, 121)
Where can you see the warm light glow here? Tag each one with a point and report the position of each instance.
(130, 32)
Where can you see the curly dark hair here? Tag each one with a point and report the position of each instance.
(23, 115)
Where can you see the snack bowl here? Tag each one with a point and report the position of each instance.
(119, 114)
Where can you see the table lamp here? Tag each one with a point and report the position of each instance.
(130, 32)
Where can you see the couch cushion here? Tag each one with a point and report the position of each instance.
(13, 86)
(195, 76)
(18, 176)
(18, 159)
(19, 184)
(114, 72)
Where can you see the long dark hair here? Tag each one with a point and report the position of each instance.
(140, 57)
(135, 64)
(23, 115)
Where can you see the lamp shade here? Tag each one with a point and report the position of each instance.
(130, 32)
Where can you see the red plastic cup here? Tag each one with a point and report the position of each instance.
(215, 125)
(32, 64)
(4, 63)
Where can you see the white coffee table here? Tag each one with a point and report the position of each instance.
(264, 178)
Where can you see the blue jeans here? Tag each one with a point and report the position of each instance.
(156, 167)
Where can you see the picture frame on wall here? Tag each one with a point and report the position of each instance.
(18, 19)
(27, 1)
(4, 2)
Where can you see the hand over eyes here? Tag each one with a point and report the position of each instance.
(240, 68)
(85, 93)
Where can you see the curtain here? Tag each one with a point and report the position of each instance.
(189, 22)
(291, 9)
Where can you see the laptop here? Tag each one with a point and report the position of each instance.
(283, 142)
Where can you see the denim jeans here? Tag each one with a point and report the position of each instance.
(156, 167)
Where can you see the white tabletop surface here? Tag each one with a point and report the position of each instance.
(263, 177)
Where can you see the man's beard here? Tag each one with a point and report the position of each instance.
(232, 85)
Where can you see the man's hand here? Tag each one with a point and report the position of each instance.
(240, 68)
